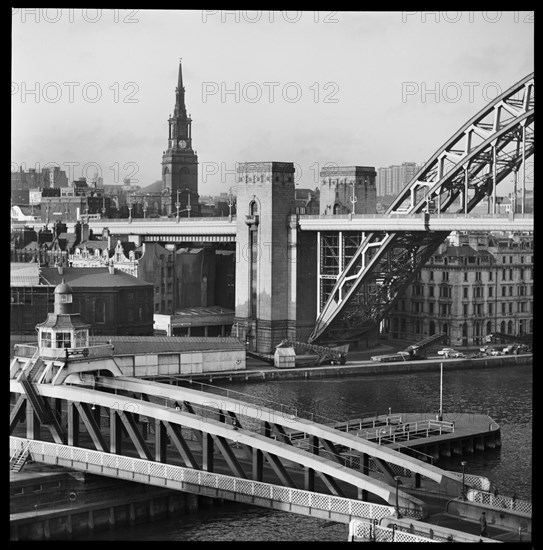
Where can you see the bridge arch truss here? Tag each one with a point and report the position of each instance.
(362, 274)
(159, 422)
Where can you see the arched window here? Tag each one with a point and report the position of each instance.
(502, 327)
(432, 328)
(253, 208)
(489, 327)
(510, 327)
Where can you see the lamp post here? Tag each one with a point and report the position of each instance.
(463, 463)
(189, 207)
(398, 515)
(230, 203)
(354, 199)
(177, 206)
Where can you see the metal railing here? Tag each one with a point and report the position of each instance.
(404, 432)
(370, 531)
(167, 472)
(500, 501)
(30, 349)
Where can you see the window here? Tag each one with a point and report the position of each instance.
(63, 340)
(477, 275)
(431, 308)
(445, 276)
(465, 277)
(81, 338)
(490, 309)
(465, 309)
(431, 275)
(521, 274)
(510, 259)
(510, 308)
(503, 291)
(510, 291)
(503, 309)
(431, 290)
(490, 291)
(490, 278)
(510, 274)
(504, 274)
(465, 289)
(46, 339)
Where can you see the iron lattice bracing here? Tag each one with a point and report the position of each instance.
(210, 432)
(491, 146)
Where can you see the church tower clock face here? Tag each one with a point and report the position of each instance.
(182, 143)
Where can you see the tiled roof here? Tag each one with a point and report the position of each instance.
(24, 274)
(129, 345)
(78, 277)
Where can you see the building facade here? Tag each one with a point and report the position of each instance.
(479, 285)
(110, 301)
(392, 179)
(347, 189)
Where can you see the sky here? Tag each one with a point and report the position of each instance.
(92, 89)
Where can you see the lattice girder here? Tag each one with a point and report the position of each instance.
(494, 143)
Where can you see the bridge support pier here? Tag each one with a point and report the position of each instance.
(73, 424)
(365, 469)
(207, 452)
(33, 425)
(161, 441)
(257, 466)
(116, 432)
(309, 473)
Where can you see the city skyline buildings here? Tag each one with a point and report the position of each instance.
(109, 103)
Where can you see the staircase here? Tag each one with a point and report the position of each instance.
(36, 400)
(19, 458)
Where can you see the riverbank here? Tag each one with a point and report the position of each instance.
(357, 365)
(56, 503)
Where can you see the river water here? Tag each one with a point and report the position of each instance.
(504, 393)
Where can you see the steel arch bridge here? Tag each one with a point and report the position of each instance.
(491, 146)
(158, 422)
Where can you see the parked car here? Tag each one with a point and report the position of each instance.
(446, 351)
(495, 351)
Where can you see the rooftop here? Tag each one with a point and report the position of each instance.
(97, 277)
(131, 345)
(24, 274)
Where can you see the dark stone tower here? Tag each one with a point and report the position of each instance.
(179, 161)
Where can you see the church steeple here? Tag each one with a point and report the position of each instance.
(180, 108)
(180, 135)
(179, 161)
